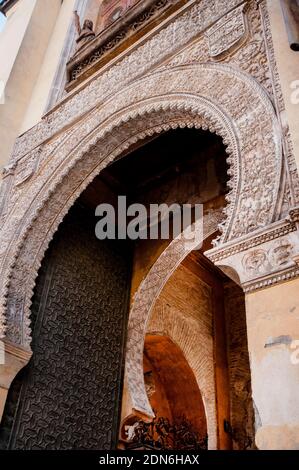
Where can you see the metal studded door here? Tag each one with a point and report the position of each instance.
(69, 395)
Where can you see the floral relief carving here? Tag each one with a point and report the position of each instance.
(255, 261)
(281, 252)
(166, 41)
(262, 264)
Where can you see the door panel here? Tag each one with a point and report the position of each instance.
(70, 392)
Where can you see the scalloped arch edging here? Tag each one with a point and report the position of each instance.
(215, 97)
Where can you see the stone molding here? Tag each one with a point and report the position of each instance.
(262, 260)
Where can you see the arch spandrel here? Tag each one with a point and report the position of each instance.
(210, 96)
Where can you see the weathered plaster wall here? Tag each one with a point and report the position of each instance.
(273, 324)
(42, 86)
(23, 44)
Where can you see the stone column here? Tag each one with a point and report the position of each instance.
(13, 361)
(265, 265)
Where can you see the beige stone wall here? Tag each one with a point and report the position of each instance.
(11, 37)
(13, 75)
(40, 94)
(24, 41)
(287, 66)
(273, 329)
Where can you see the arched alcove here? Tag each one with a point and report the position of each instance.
(172, 389)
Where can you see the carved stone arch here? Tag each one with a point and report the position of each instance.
(202, 369)
(56, 194)
(215, 97)
(144, 301)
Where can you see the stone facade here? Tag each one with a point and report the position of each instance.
(210, 65)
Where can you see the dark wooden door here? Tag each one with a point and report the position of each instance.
(69, 396)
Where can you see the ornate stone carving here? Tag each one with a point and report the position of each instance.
(227, 33)
(8, 170)
(161, 45)
(140, 110)
(294, 214)
(26, 167)
(272, 232)
(273, 260)
(281, 252)
(255, 261)
(279, 103)
(77, 67)
(101, 121)
(86, 33)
